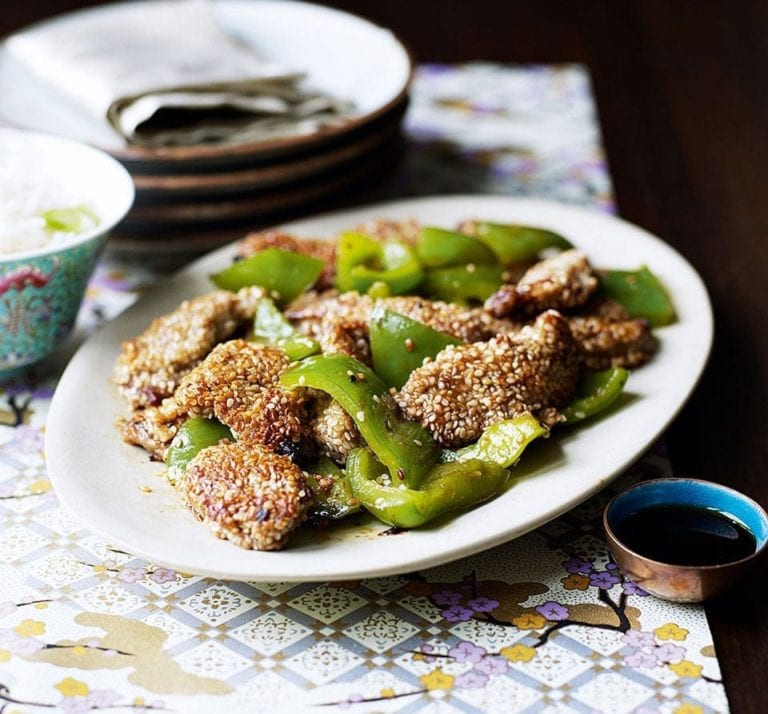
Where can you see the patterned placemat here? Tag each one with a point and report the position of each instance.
(545, 623)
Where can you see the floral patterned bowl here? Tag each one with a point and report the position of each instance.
(41, 289)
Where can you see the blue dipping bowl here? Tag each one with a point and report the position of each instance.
(684, 583)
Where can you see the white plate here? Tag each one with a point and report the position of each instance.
(98, 477)
(341, 54)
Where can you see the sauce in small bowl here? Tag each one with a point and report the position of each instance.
(682, 539)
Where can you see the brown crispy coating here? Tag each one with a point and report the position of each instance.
(562, 282)
(467, 324)
(319, 248)
(246, 494)
(407, 231)
(151, 366)
(340, 335)
(469, 387)
(334, 430)
(613, 343)
(238, 385)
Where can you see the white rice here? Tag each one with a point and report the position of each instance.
(23, 200)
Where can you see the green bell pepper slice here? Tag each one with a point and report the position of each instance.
(361, 262)
(404, 447)
(516, 244)
(334, 503)
(595, 391)
(502, 443)
(194, 435)
(399, 345)
(283, 274)
(75, 219)
(463, 284)
(439, 248)
(641, 293)
(270, 327)
(446, 487)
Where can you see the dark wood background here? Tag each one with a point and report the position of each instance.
(682, 93)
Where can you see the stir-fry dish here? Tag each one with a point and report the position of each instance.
(397, 369)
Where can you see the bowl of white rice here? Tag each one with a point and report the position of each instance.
(58, 202)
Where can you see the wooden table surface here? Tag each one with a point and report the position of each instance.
(683, 101)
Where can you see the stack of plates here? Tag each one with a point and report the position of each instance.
(192, 198)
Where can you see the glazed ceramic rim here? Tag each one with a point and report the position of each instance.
(749, 501)
(268, 147)
(37, 142)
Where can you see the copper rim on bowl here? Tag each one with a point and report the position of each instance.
(684, 583)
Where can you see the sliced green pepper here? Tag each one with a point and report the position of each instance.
(270, 327)
(447, 487)
(641, 293)
(193, 436)
(331, 503)
(379, 290)
(595, 391)
(284, 274)
(462, 284)
(404, 447)
(361, 262)
(502, 443)
(516, 244)
(399, 345)
(439, 248)
(76, 219)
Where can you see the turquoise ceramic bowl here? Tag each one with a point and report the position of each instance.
(41, 289)
(684, 583)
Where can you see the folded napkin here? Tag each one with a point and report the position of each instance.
(166, 73)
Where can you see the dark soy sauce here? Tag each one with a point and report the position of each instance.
(685, 535)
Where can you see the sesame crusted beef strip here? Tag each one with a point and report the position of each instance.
(151, 365)
(609, 337)
(469, 387)
(407, 231)
(246, 494)
(238, 385)
(333, 429)
(563, 282)
(467, 324)
(341, 335)
(319, 248)
(606, 343)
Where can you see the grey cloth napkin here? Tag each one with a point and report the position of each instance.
(165, 73)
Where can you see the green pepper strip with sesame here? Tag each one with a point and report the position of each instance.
(641, 294)
(399, 345)
(463, 283)
(446, 487)
(333, 499)
(516, 244)
(405, 448)
(465, 478)
(283, 274)
(438, 248)
(361, 262)
(594, 393)
(270, 327)
(501, 443)
(194, 435)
